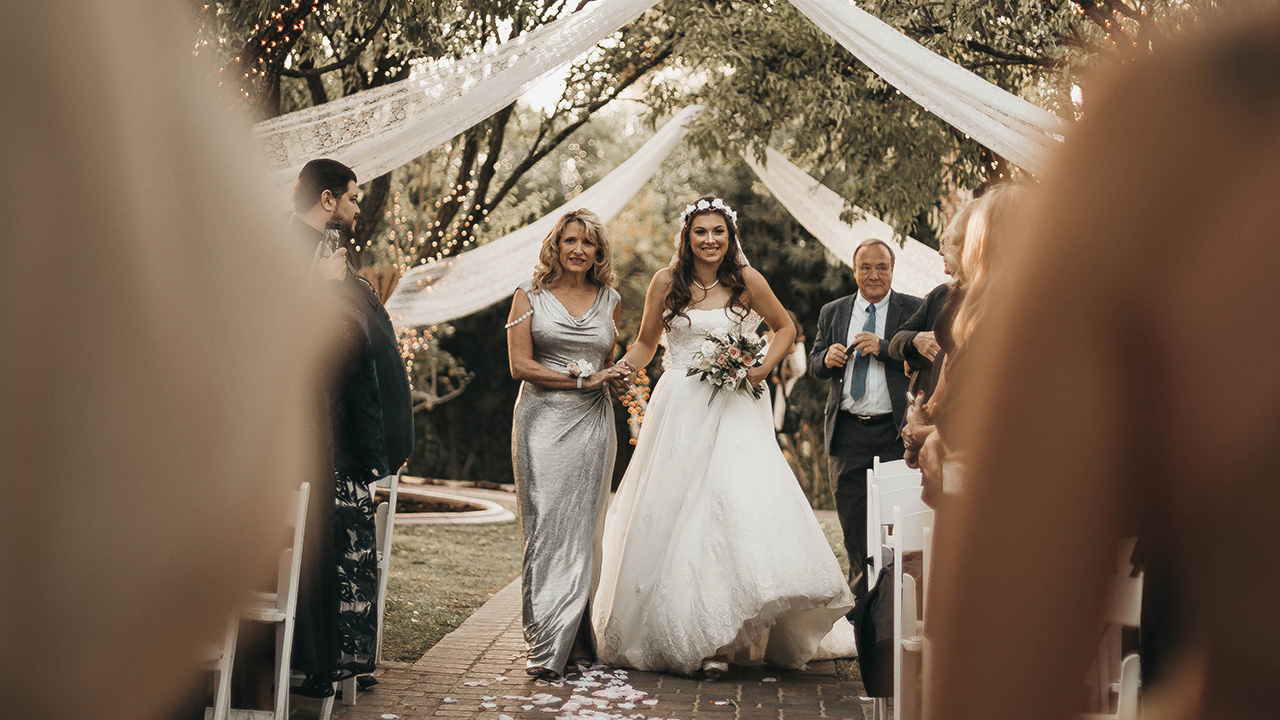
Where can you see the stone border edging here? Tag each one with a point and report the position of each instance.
(492, 513)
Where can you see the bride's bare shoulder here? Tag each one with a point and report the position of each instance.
(661, 281)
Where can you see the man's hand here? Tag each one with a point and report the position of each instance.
(836, 356)
(866, 343)
(333, 267)
(927, 344)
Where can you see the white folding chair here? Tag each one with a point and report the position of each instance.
(221, 659)
(880, 507)
(385, 520)
(892, 467)
(877, 484)
(1112, 675)
(909, 533)
(279, 607)
(386, 534)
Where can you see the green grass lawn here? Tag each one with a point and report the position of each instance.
(440, 574)
(831, 526)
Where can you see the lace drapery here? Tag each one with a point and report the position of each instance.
(474, 280)
(918, 268)
(1019, 130)
(378, 130)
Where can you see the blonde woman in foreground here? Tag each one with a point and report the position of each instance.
(1126, 380)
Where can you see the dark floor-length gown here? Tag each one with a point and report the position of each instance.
(371, 431)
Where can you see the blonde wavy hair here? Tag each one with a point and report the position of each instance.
(990, 219)
(549, 268)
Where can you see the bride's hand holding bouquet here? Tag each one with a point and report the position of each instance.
(732, 360)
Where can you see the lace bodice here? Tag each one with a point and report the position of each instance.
(686, 335)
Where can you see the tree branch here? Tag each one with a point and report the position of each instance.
(1123, 8)
(365, 39)
(1094, 12)
(497, 136)
(448, 210)
(315, 86)
(536, 153)
(1009, 57)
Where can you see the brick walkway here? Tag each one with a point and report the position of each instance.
(477, 672)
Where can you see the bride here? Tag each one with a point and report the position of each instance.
(710, 547)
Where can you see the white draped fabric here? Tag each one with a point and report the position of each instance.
(918, 268)
(378, 130)
(476, 279)
(1014, 128)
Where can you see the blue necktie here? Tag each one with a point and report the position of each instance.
(858, 383)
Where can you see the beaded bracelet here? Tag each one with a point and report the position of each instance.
(518, 320)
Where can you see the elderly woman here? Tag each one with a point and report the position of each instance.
(988, 219)
(560, 337)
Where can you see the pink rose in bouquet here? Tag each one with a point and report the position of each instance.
(724, 358)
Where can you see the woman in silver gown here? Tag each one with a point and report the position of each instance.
(560, 336)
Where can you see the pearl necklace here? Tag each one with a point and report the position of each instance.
(706, 287)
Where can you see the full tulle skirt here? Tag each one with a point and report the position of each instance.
(710, 547)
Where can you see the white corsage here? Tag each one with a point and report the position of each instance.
(581, 368)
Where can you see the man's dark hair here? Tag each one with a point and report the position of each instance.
(318, 176)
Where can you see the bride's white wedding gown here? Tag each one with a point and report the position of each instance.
(710, 545)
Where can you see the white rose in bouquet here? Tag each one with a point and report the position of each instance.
(720, 335)
(751, 337)
(709, 348)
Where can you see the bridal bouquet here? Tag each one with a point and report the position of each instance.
(724, 359)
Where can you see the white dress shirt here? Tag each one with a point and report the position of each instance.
(876, 401)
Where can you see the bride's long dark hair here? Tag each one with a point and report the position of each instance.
(680, 295)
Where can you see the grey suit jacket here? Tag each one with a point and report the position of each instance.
(833, 327)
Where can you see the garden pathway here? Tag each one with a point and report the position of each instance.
(477, 672)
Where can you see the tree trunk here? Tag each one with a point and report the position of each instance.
(372, 207)
(457, 194)
(263, 54)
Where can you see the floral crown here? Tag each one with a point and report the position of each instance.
(705, 205)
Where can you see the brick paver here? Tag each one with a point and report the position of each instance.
(480, 668)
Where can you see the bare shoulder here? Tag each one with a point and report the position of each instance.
(753, 277)
(661, 282)
(520, 300)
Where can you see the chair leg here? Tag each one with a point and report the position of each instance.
(281, 709)
(349, 689)
(326, 708)
(222, 690)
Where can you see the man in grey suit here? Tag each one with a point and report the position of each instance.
(868, 395)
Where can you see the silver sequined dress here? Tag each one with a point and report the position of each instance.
(563, 445)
